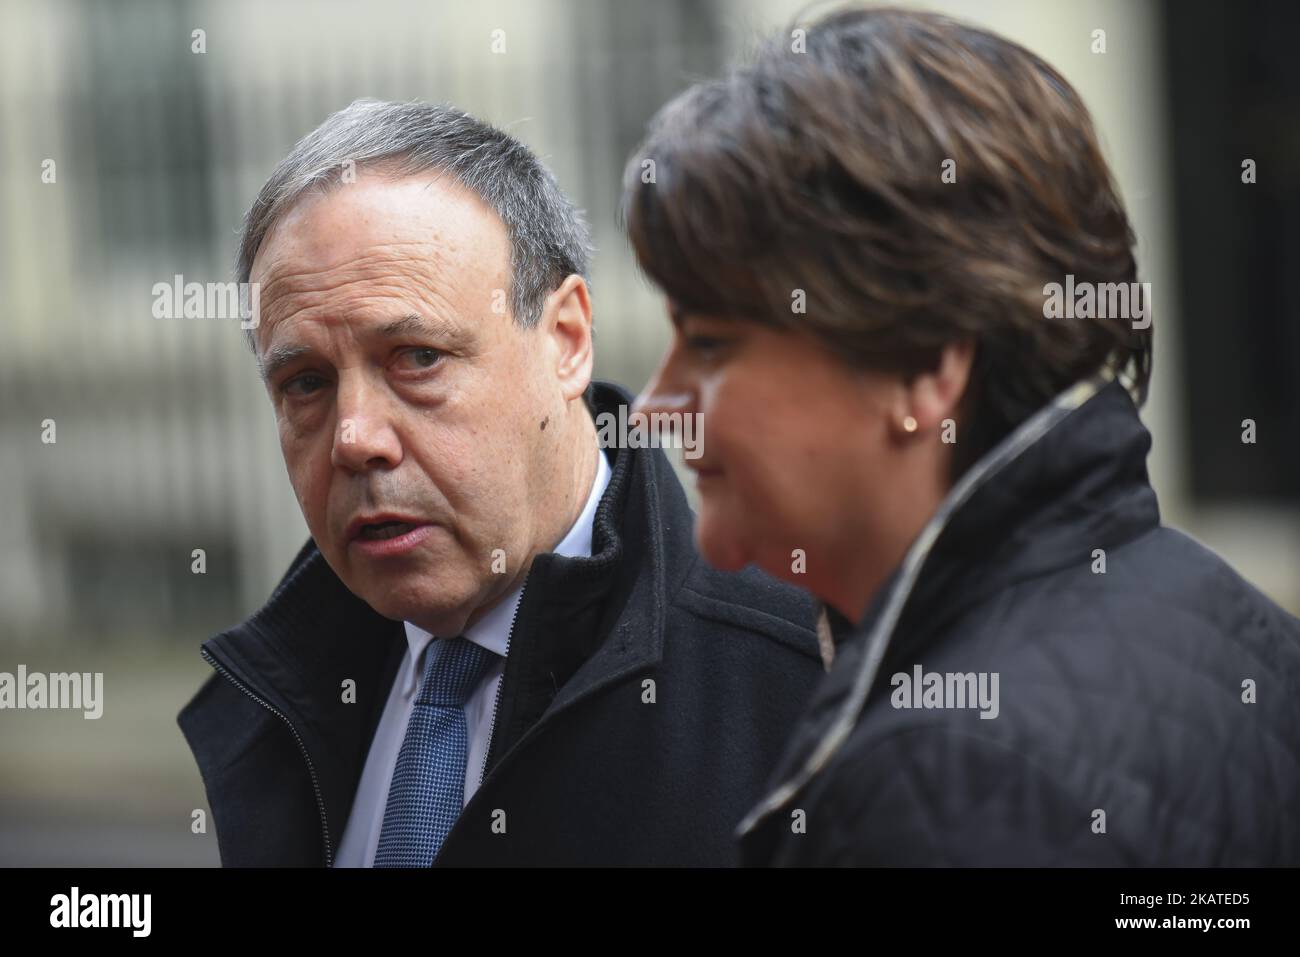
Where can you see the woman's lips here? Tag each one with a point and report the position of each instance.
(397, 545)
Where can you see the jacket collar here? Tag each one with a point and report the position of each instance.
(582, 623)
(1080, 462)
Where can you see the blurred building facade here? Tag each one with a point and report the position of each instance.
(165, 441)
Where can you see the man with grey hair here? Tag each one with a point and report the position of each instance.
(498, 645)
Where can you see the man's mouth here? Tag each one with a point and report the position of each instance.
(389, 537)
(382, 530)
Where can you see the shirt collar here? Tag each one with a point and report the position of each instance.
(492, 631)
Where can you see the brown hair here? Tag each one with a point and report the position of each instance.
(820, 170)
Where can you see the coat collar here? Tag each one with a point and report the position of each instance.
(1016, 513)
(582, 623)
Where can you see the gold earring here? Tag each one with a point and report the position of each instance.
(909, 424)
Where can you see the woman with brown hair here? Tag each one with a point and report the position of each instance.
(907, 313)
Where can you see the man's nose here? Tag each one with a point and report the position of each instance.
(364, 436)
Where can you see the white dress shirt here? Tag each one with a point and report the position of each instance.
(492, 631)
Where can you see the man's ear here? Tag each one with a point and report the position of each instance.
(566, 324)
(935, 395)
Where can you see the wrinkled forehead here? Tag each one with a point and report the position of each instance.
(423, 242)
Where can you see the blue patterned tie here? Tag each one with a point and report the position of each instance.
(428, 787)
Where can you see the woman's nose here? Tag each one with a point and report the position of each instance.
(667, 391)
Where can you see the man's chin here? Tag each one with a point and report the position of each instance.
(435, 619)
(436, 607)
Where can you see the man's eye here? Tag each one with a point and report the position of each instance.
(423, 357)
(302, 385)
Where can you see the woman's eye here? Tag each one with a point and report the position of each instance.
(704, 345)
(423, 357)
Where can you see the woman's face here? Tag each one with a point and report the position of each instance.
(799, 465)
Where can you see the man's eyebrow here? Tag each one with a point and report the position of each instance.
(279, 357)
(411, 323)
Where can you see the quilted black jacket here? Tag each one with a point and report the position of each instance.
(1148, 698)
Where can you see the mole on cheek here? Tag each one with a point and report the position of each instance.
(544, 421)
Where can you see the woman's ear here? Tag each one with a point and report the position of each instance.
(930, 397)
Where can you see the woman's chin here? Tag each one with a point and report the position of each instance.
(721, 550)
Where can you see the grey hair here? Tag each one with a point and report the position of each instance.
(549, 237)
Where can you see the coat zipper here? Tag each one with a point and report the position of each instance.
(496, 700)
(311, 770)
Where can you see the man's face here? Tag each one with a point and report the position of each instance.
(404, 389)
